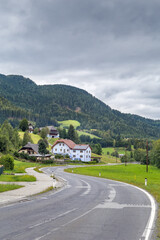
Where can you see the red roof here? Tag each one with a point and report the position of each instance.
(68, 142)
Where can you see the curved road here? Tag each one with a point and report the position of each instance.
(87, 208)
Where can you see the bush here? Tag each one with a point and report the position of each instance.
(49, 161)
(59, 156)
(7, 161)
(16, 154)
(24, 156)
(67, 156)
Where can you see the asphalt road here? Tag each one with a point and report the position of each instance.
(87, 208)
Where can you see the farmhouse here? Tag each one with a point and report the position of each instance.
(30, 128)
(75, 151)
(53, 132)
(32, 150)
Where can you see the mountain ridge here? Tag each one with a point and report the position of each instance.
(46, 104)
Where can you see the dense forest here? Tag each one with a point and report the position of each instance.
(22, 98)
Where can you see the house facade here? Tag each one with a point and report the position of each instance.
(32, 150)
(80, 152)
(53, 132)
(30, 128)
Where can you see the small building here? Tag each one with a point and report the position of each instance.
(32, 150)
(30, 128)
(81, 152)
(53, 132)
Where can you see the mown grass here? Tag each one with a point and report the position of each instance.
(87, 134)
(16, 178)
(107, 158)
(120, 150)
(8, 187)
(37, 170)
(132, 174)
(35, 137)
(67, 123)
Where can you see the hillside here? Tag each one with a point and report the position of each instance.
(48, 104)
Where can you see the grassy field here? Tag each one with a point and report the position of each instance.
(87, 134)
(35, 137)
(111, 150)
(106, 158)
(8, 187)
(19, 166)
(67, 123)
(15, 178)
(132, 174)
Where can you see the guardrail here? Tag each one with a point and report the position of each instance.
(1, 169)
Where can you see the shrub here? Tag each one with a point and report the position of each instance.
(7, 161)
(16, 154)
(58, 156)
(49, 161)
(24, 156)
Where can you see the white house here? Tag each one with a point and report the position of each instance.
(53, 132)
(30, 128)
(80, 152)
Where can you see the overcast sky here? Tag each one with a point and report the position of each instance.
(111, 48)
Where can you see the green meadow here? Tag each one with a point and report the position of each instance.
(67, 123)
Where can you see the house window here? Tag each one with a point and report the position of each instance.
(87, 156)
(74, 151)
(63, 144)
(81, 151)
(61, 150)
(81, 156)
(67, 150)
(56, 149)
(60, 144)
(86, 151)
(74, 155)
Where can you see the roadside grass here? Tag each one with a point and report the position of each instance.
(20, 166)
(67, 123)
(16, 178)
(8, 187)
(133, 174)
(87, 134)
(37, 169)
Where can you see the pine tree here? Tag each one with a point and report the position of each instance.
(24, 125)
(71, 133)
(26, 138)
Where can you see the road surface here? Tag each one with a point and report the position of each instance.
(87, 208)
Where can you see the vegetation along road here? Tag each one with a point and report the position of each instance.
(86, 208)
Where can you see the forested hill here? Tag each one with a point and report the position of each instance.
(48, 103)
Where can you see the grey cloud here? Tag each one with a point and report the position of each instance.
(110, 48)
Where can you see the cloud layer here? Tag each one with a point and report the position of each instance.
(109, 48)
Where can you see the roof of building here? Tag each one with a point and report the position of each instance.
(32, 146)
(49, 127)
(71, 144)
(68, 142)
(81, 146)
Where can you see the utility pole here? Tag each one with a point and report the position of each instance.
(147, 156)
(125, 156)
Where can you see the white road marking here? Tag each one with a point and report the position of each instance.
(48, 233)
(51, 219)
(149, 227)
(88, 186)
(114, 205)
